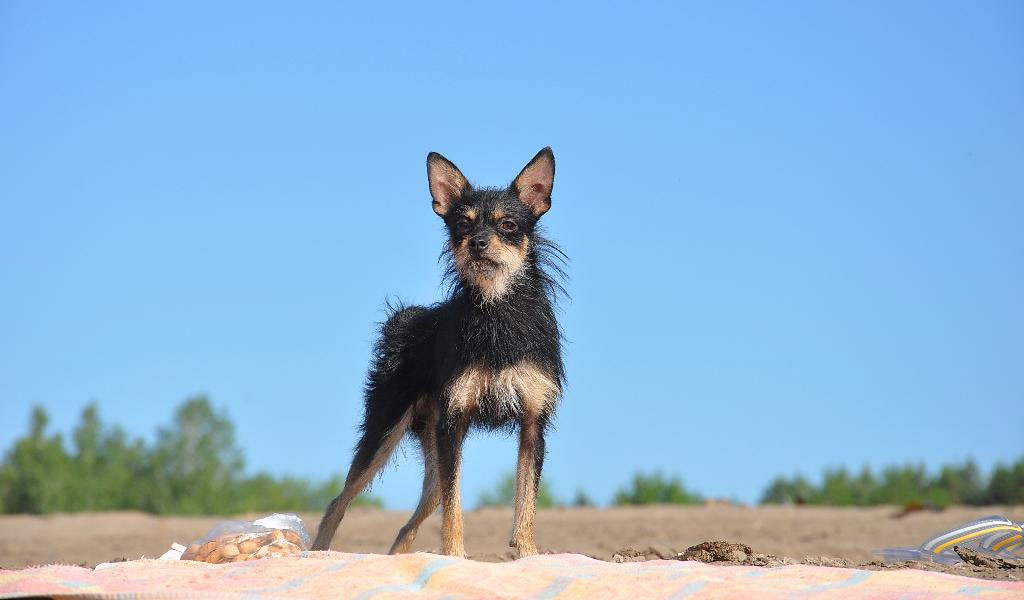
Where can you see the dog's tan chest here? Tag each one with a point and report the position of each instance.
(520, 388)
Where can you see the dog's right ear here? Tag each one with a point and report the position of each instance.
(446, 182)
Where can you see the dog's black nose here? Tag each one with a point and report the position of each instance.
(478, 243)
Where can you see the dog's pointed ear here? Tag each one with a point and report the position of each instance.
(446, 182)
(534, 183)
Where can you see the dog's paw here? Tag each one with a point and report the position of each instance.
(524, 549)
(458, 552)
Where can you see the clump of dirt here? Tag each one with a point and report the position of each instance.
(649, 553)
(975, 558)
(732, 553)
(711, 552)
(705, 552)
(826, 561)
(769, 560)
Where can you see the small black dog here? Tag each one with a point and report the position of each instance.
(489, 356)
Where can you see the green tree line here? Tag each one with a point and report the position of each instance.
(193, 467)
(908, 484)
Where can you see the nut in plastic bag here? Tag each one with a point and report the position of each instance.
(234, 541)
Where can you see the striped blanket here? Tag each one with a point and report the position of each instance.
(561, 576)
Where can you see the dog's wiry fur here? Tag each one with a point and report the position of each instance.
(489, 356)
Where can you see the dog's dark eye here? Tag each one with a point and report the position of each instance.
(462, 224)
(508, 226)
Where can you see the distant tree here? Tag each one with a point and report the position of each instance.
(786, 491)
(85, 487)
(195, 463)
(105, 468)
(581, 499)
(864, 487)
(504, 494)
(838, 487)
(963, 482)
(33, 470)
(903, 485)
(654, 488)
(1007, 484)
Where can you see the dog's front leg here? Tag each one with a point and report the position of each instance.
(451, 433)
(530, 463)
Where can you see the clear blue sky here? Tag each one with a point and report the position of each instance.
(795, 227)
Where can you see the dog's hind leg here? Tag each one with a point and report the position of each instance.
(431, 494)
(383, 428)
(390, 398)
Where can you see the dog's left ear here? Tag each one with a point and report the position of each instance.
(447, 183)
(534, 183)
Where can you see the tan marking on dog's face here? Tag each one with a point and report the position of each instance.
(521, 388)
(499, 215)
(496, 270)
(470, 214)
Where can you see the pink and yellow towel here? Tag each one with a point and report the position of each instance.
(557, 576)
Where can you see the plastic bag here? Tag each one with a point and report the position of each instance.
(993, 535)
(233, 541)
